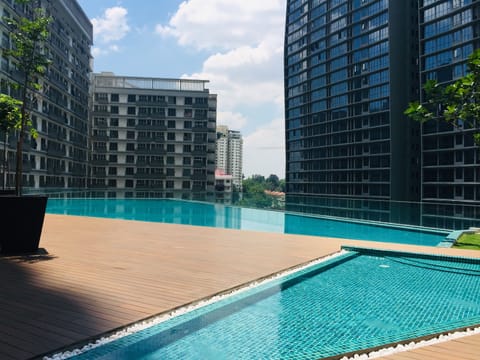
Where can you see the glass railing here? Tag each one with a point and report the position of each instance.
(434, 215)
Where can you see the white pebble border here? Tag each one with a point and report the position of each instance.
(413, 345)
(183, 310)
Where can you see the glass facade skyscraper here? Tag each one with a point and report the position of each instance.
(451, 163)
(351, 67)
(350, 70)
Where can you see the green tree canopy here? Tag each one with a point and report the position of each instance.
(28, 36)
(457, 103)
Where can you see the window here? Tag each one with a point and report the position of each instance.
(130, 159)
(114, 134)
(172, 100)
(171, 136)
(130, 134)
(114, 122)
(114, 97)
(113, 146)
(130, 147)
(170, 160)
(131, 110)
(188, 113)
(171, 123)
(169, 184)
(171, 148)
(131, 98)
(113, 158)
(188, 101)
(170, 172)
(187, 124)
(112, 171)
(187, 160)
(186, 185)
(112, 183)
(130, 122)
(114, 109)
(172, 112)
(187, 148)
(129, 171)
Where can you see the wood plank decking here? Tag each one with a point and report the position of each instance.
(100, 274)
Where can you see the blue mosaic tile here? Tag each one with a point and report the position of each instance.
(366, 299)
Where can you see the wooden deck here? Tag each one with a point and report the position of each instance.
(101, 274)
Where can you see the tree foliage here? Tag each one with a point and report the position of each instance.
(254, 194)
(457, 103)
(28, 36)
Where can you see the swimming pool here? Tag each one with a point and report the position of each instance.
(359, 300)
(216, 215)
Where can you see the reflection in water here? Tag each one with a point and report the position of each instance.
(216, 215)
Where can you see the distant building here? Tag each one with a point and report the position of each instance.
(223, 187)
(153, 137)
(229, 157)
(58, 157)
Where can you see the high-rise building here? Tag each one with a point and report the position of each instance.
(450, 31)
(350, 71)
(153, 137)
(229, 157)
(58, 157)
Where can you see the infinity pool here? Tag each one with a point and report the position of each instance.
(216, 215)
(359, 300)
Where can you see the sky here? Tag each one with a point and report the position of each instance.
(235, 44)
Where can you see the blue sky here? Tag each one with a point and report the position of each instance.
(235, 44)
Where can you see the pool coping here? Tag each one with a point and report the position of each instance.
(105, 338)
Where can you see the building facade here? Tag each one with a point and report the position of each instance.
(450, 31)
(350, 71)
(58, 157)
(229, 154)
(152, 137)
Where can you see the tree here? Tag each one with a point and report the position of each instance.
(28, 36)
(273, 182)
(458, 103)
(10, 119)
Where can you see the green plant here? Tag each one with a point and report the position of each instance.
(28, 36)
(457, 103)
(10, 118)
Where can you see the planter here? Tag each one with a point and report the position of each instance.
(21, 222)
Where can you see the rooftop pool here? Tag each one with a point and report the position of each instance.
(217, 215)
(360, 300)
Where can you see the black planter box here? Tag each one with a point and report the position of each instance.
(21, 222)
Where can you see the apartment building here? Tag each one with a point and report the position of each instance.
(57, 159)
(450, 31)
(350, 71)
(152, 137)
(229, 154)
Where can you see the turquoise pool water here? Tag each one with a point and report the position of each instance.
(357, 301)
(216, 215)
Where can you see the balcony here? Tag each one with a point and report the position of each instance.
(153, 151)
(98, 162)
(55, 152)
(199, 129)
(100, 138)
(200, 177)
(152, 127)
(149, 176)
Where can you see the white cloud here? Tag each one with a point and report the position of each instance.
(224, 24)
(245, 69)
(109, 29)
(264, 150)
(234, 121)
